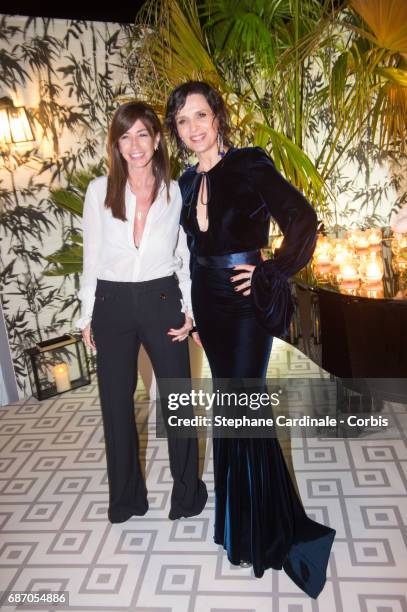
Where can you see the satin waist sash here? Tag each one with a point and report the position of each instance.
(230, 260)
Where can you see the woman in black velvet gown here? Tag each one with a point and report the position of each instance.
(237, 299)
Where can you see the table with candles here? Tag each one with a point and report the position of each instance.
(351, 307)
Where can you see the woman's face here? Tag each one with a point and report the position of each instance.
(137, 145)
(196, 124)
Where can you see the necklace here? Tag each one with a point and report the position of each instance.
(139, 213)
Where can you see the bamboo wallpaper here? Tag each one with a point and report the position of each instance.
(68, 74)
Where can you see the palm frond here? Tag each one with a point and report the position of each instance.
(65, 261)
(173, 42)
(387, 19)
(295, 164)
(390, 116)
(68, 200)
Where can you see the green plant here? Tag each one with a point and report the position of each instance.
(69, 258)
(312, 82)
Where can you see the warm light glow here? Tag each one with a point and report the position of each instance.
(374, 291)
(5, 134)
(354, 262)
(276, 244)
(372, 269)
(374, 235)
(348, 272)
(20, 128)
(322, 254)
(60, 372)
(322, 271)
(400, 264)
(341, 255)
(362, 242)
(358, 239)
(350, 287)
(14, 124)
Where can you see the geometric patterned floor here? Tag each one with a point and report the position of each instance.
(54, 531)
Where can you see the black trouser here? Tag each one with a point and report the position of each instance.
(126, 315)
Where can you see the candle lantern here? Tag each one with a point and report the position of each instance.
(371, 271)
(374, 290)
(322, 253)
(359, 240)
(57, 365)
(400, 264)
(348, 278)
(322, 271)
(321, 261)
(374, 236)
(341, 255)
(399, 242)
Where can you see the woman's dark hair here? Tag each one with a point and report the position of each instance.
(178, 98)
(125, 116)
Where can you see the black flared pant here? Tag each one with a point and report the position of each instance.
(258, 515)
(126, 315)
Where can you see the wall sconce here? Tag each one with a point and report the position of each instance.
(14, 124)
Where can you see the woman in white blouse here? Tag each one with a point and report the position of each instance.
(135, 290)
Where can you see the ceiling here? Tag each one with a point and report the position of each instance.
(120, 12)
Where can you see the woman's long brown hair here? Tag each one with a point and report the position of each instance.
(123, 119)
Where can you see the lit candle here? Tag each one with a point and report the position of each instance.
(351, 287)
(348, 278)
(322, 254)
(348, 272)
(60, 373)
(322, 270)
(401, 264)
(341, 255)
(372, 269)
(373, 291)
(374, 235)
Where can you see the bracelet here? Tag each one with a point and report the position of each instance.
(192, 331)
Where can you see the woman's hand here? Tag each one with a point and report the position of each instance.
(88, 338)
(245, 276)
(183, 332)
(196, 339)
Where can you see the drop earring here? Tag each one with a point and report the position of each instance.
(221, 150)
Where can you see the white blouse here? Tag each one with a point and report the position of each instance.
(109, 252)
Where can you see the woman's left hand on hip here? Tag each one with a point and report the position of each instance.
(245, 276)
(181, 333)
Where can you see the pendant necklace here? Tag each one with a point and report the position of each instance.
(139, 213)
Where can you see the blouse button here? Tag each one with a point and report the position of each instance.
(163, 296)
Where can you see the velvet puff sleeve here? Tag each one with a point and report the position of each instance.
(270, 290)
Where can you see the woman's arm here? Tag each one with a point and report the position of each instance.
(293, 214)
(270, 291)
(183, 273)
(92, 245)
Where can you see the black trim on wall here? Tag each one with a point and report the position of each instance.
(123, 12)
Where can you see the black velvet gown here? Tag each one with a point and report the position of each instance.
(258, 516)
